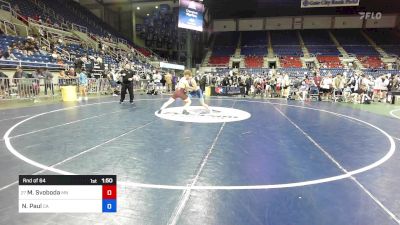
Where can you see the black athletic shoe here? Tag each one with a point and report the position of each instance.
(185, 112)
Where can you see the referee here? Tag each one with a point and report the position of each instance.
(127, 83)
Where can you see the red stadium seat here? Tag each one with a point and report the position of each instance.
(254, 61)
(371, 62)
(219, 60)
(290, 62)
(329, 61)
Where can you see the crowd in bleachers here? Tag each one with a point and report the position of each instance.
(355, 87)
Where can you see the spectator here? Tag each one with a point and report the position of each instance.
(48, 81)
(83, 83)
(168, 82)
(4, 85)
(71, 73)
(55, 55)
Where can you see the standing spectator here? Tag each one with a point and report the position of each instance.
(17, 78)
(157, 80)
(377, 88)
(127, 83)
(326, 86)
(203, 82)
(48, 81)
(168, 82)
(174, 80)
(338, 85)
(4, 85)
(285, 86)
(317, 82)
(83, 83)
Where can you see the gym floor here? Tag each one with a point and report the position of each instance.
(290, 163)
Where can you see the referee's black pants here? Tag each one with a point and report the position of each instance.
(128, 86)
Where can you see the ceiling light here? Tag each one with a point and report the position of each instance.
(148, 14)
(138, 8)
(156, 6)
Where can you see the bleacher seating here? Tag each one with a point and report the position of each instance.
(287, 50)
(391, 49)
(361, 50)
(223, 51)
(325, 50)
(290, 62)
(329, 61)
(285, 43)
(371, 62)
(219, 60)
(144, 51)
(350, 37)
(254, 38)
(316, 37)
(387, 39)
(254, 70)
(254, 51)
(60, 12)
(354, 42)
(383, 36)
(295, 72)
(318, 42)
(226, 39)
(335, 71)
(254, 61)
(224, 46)
(379, 72)
(284, 38)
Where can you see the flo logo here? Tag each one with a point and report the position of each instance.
(370, 15)
(197, 114)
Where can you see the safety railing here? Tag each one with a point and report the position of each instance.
(6, 25)
(48, 27)
(32, 88)
(79, 28)
(29, 64)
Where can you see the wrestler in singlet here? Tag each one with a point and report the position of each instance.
(180, 92)
(195, 91)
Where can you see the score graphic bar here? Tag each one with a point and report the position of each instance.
(67, 193)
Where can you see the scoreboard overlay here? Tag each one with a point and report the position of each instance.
(67, 194)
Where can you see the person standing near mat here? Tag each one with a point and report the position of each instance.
(83, 84)
(127, 83)
(180, 92)
(195, 91)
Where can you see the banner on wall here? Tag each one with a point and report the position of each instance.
(191, 15)
(227, 91)
(328, 3)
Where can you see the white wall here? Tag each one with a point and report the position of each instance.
(387, 21)
(251, 24)
(224, 25)
(279, 23)
(317, 22)
(305, 22)
(348, 22)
